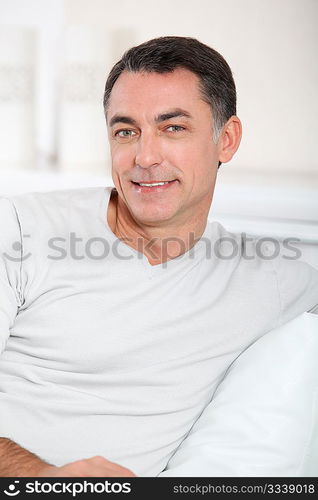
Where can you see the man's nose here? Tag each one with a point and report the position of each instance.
(148, 151)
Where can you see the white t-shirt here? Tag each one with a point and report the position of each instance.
(105, 354)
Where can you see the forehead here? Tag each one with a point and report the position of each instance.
(154, 91)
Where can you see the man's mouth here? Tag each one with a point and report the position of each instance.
(155, 186)
(152, 184)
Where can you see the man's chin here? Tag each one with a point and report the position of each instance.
(154, 218)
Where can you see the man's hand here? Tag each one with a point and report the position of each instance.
(89, 467)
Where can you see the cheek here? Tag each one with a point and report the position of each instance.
(194, 156)
(182, 154)
(200, 162)
(207, 153)
(122, 157)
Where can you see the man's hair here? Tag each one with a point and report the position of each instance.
(165, 54)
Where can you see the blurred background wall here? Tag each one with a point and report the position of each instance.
(54, 60)
(271, 46)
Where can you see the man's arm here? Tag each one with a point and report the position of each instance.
(16, 461)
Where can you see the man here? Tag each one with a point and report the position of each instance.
(120, 311)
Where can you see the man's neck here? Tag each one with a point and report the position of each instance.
(158, 243)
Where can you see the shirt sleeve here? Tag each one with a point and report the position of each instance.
(297, 284)
(10, 269)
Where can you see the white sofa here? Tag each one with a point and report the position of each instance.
(263, 418)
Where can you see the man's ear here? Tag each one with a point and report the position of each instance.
(230, 139)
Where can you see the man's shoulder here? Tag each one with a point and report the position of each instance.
(240, 248)
(39, 204)
(57, 197)
(264, 262)
(40, 213)
(252, 250)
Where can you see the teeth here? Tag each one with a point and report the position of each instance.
(155, 184)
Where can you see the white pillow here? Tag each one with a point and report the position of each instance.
(263, 417)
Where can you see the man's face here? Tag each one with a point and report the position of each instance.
(161, 130)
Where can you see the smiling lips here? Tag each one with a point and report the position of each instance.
(153, 186)
(153, 183)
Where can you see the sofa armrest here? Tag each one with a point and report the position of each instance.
(263, 417)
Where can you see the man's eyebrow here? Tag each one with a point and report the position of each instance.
(175, 113)
(121, 119)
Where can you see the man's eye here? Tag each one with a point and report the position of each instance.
(175, 128)
(124, 134)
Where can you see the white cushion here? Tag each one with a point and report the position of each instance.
(263, 417)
